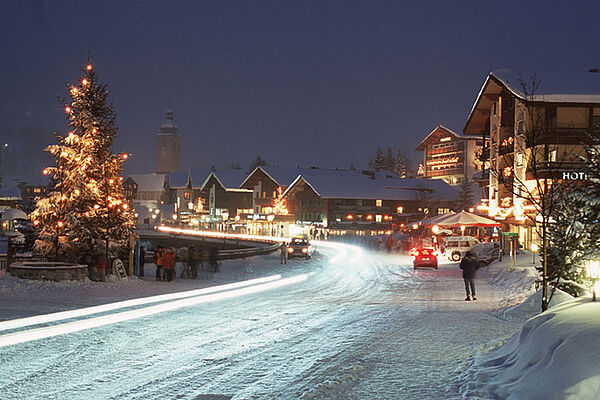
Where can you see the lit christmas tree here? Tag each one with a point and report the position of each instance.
(279, 203)
(87, 212)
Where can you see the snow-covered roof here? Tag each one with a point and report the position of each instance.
(179, 179)
(438, 130)
(149, 182)
(284, 176)
(10, 193)
(493, 86)
(331, 184)
(230, 178)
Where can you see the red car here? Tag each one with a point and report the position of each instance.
(424, 258)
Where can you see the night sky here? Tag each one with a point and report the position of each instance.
(300, 82)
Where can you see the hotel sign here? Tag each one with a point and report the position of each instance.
(574, 176)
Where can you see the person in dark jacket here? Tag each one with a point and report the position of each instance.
(283, 253)
(213, 258)
(158, 260)
(142, 260)
(469, 265)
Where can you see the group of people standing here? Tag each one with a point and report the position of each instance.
(165, 263)
(193, 260)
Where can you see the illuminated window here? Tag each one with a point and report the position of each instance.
(378, 218)
(552, 156)
(400, 209)
(378, 203)
(519, 159)
(186, 195)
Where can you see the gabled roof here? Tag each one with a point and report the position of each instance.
(285, 176)
(355, 185)
(259, 168)
(180, 179)
(492, 88)
(230, 178)
(438, 131)
(150, 182)
(198, 177)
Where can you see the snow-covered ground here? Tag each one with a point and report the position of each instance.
(362, 326)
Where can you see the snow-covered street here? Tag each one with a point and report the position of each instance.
(361, 326)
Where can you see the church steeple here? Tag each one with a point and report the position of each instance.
(168, 145)
(169, 125)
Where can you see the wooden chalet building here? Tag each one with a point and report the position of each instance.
(450, 156)
(367, 202)
(532, 137)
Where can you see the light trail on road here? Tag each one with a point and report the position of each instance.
(76, 326)
(87, 311)
(223, 235)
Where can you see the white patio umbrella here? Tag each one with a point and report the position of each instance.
(464, 218)
(12, 214)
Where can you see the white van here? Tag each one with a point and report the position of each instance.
(455, 247)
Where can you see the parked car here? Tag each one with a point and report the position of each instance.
(425, 257)
(300, 247)
(455, 247)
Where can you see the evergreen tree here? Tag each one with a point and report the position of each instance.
(379, 162)
(258, 162)
(87, 209)
(401, 165)
(569, 240)
(465, 195)
(590, 196)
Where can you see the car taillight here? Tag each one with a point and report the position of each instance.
(305, 250)
(291, 250)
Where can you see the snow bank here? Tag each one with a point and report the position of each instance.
(554, 356)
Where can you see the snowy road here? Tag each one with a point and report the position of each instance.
(361, 326)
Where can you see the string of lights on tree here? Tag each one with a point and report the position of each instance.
(88, 204)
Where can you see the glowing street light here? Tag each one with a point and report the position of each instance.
(534, 249)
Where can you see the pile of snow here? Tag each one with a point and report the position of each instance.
(554, 356)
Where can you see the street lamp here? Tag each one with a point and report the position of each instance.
(534, 249)
(592, 268)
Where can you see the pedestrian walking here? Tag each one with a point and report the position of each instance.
(142, 260)
(192, 263)
(158, 260)
(213, 259)
(168, 266)
(469, 266)
(283, 251)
